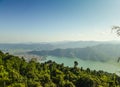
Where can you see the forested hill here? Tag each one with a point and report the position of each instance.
(103, 52)
(16, 72)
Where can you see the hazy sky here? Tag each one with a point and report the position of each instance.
(58, 20)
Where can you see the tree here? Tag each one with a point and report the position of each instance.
(117, 30)
(75, 63)
(16, 72)
(3, 76)
(68, 84)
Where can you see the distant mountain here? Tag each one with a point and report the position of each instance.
(93, 49)
(26, 46)
(76, 44)
(52, 45)
(103, 52)
(80, 44)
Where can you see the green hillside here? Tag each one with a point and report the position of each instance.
(103, 52)
(16, 72)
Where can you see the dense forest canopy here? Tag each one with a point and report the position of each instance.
(16, 72)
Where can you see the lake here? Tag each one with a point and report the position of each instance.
(111, 66)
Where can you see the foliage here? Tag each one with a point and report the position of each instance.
(116, 29)
(16, 72)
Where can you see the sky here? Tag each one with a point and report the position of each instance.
(58, 20)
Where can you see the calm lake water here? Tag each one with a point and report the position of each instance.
(112, 67)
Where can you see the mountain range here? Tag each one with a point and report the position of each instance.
(102, 52)
(86, 50)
